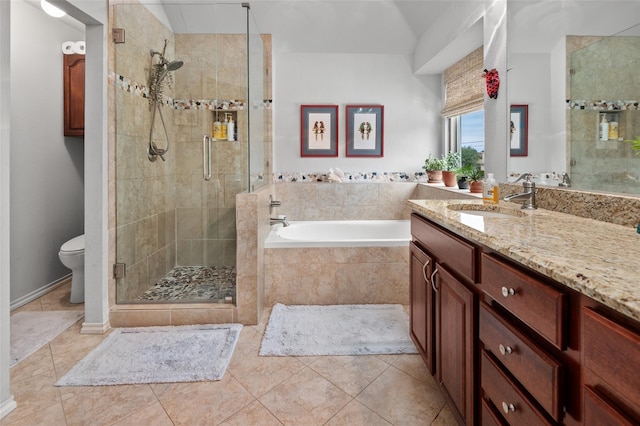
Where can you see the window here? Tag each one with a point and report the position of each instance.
(471, 140)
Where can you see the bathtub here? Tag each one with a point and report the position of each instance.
(340, 233)
(337, 262)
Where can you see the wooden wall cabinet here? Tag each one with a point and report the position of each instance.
(73, 95)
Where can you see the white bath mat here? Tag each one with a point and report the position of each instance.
(30, 330)
(189, 353)
(337, 330)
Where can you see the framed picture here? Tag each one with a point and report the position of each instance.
(519, 129)
(365, 130)
(319, 130)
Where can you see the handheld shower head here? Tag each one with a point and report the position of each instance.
(174, 65)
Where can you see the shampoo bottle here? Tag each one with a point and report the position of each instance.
(490, 190)
(223, 133)
(613, 128)
(604, 128)
(231, 129)
(217, 129)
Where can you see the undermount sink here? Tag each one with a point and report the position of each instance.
(487, 211)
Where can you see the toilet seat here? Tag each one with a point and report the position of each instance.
(74, 245)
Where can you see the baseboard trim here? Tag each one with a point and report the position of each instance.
(7, 406)
(39, 292)
(95, 327)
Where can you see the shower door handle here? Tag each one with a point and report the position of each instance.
(206, 157)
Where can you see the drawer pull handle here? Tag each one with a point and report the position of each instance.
(507, 408)
(506, 292)
(433, 280)
(505, 350)
(424, 271)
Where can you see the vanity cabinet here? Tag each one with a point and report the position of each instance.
(611, 362)
(73, 73)
(443, 270)
(422, 305)
(456, 341)
(513, 346)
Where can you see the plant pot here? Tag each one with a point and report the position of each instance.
(435, 176)
(476, 187)
(449, 178)
(463, 183)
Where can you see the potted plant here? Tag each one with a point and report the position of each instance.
(434, 167)
(475, 178)
(452, 163)
(463, 176)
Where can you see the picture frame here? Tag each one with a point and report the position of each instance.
(319, 130)
(365, 130)
(519, 130)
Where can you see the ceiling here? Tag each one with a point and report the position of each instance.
(327, 26)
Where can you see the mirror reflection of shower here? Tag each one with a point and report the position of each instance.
(159, 74)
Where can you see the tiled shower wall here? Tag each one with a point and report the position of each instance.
(602, 72)
(145, 191)
(167, 213)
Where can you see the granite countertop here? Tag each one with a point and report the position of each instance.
(598, 259)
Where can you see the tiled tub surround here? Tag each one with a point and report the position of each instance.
(340, 275)
(344, 274)
(597, 259)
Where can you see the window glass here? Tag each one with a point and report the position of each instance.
(471, 138)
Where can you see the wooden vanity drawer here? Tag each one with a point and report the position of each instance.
(489, 415)
(514, 406)
(597, 411)
(448, 249)
(536, 371)
(537, 304)
(612, 352)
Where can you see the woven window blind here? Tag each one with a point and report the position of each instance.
(464, 84)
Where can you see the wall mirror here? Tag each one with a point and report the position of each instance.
(572, 62)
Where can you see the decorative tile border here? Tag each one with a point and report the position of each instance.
(351, 177)
(603, 104)
(139, 89)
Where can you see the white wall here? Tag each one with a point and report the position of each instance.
(530, 83)
(412, 107)
(47, 169)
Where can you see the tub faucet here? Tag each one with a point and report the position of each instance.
(280, 219)
(566, 181)
(528, 196)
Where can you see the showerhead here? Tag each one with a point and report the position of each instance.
(174, 65)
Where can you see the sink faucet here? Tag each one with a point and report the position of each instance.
(280, 219)
(528, 196)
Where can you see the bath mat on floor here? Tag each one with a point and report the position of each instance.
(337, 330)
(189, 353)
(30, 330)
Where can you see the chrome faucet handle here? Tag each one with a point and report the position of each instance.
(526, 176)
(273, 203)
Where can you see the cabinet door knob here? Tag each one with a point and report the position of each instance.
(506, 292)
(507, 408)
(505, 350)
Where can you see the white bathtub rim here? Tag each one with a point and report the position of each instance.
(274, 241)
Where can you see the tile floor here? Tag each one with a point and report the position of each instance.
(323, 390)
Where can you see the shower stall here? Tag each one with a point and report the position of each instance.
(182, 68)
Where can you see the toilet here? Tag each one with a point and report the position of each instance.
(72, 256)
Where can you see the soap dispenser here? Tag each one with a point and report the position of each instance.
(490, 190)
(230, 129)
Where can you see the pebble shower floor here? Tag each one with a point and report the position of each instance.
(194, 283)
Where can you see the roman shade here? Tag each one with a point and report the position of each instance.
(464, 85)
